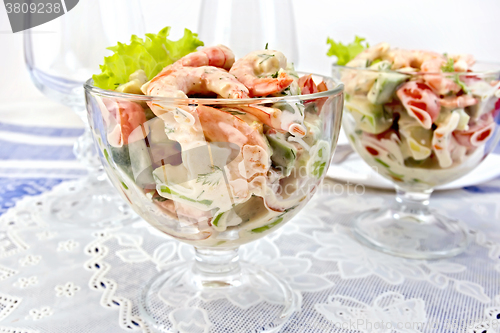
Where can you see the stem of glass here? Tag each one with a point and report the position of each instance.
(217, 268)
(411, 205)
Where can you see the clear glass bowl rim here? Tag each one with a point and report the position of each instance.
(337, 90)
(495, 71)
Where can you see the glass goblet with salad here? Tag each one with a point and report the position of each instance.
(420, 119)
(215, 152)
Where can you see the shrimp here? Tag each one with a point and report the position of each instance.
(196, 80)
(184, 81)
(220, 126)
(454, 102)
(253, 159)
(274, 117)
(267, 115)
(438, 81)
(400, 58)
(262, 72)
(463, 62)
(217, 56)
(420, 57)
(411, 58)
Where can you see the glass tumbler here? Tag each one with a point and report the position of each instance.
(250, 25)
(60, 55)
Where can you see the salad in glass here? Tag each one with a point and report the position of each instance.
(421, 119)
(213, 151)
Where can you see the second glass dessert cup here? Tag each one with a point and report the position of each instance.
(209, 173)
(418, 140)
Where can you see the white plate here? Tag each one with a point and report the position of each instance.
(355, 170)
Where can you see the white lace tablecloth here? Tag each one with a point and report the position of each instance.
(60, 277)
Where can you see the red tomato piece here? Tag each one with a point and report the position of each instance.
(307, 85)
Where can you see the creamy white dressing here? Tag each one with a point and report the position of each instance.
(300, 141)
(183, 117)
(289, 118)
(268, 62)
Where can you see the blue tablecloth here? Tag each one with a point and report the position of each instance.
(25, 177)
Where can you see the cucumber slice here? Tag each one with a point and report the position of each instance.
(369, 117)
(384, 87)
(416, 140)
(284, 153)
(165, 191)
(413, 148)
(121, 157)
(267, 226)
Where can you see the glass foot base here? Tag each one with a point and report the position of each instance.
(90, 202)
(416, 236)
(251, 300)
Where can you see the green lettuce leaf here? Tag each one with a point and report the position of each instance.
(151, 55)
(346, 53)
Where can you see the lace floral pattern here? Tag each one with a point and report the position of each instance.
(68, 246)
(68, 290)
(43, 312)
(26, 282)
(6, 272)
(389, 312)
(30, 260)
(338, 282)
